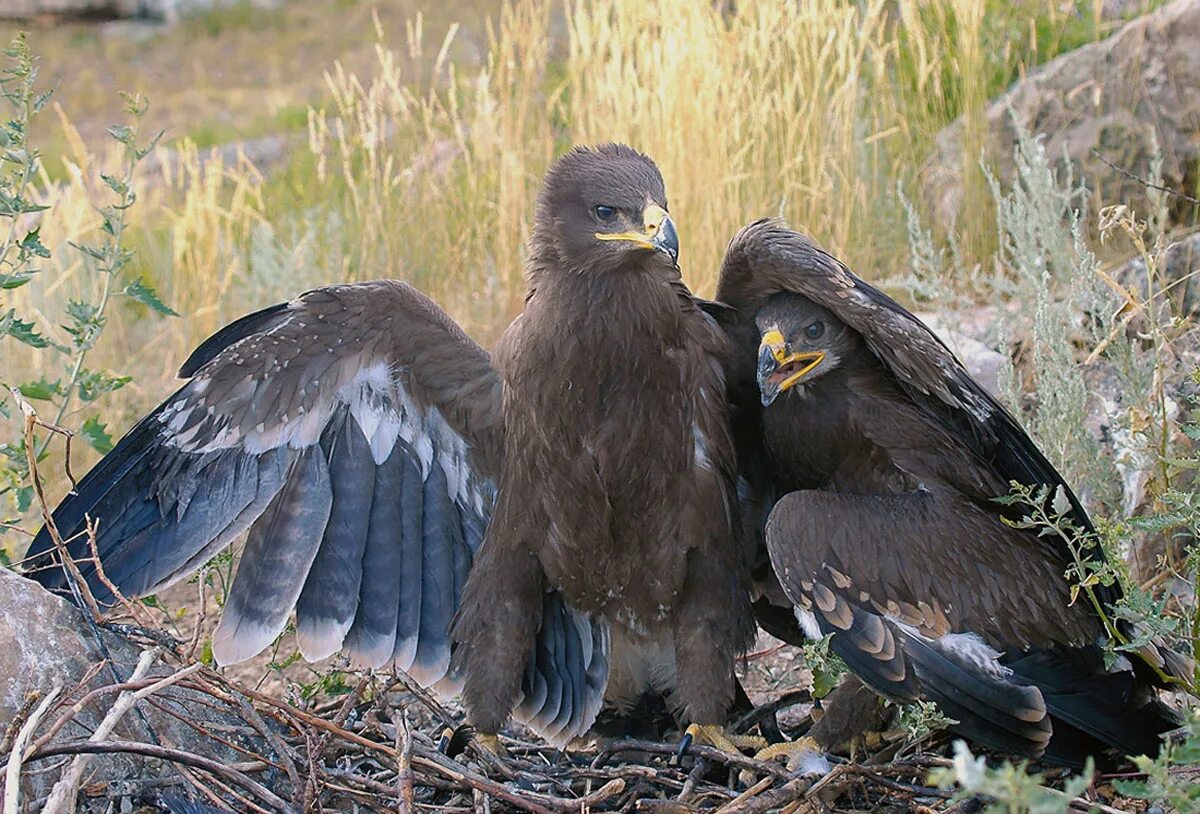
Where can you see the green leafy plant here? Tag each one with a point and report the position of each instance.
(1010, 788)
(920, 720)
(826, 666)
(1171, 777)
(107, 258)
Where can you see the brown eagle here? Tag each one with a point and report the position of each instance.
(554, 523)
(872, 461)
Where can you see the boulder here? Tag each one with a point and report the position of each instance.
(44, 640)
(1178, 274)
(1124, 98)
(27, 9)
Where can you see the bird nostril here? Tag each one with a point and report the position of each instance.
(651, 229)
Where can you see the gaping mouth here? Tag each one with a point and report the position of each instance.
(779, 370)
(794, 369)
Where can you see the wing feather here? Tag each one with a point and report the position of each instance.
(355, 432)
(279, 552)
(996, 651)
(329, 600)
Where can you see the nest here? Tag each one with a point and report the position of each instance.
(382, 747)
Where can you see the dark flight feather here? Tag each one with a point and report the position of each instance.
(327, 604)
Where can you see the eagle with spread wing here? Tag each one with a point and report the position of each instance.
(872, 462)
(552, 524)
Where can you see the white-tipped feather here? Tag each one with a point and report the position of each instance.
(237, 639)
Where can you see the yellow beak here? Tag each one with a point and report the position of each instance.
(658, 232)
(779, 369)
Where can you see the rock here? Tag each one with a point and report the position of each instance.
(1178, 271)
(981, 361)
(164, 10)
(43, 640)
(174, 10)
(1119, 97)
(27, 9)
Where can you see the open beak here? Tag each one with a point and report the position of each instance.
(658, 233)
(779, 369)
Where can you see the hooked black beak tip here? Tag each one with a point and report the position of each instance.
(767, 365)
(667, 239)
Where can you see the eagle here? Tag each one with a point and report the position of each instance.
(548, 528)
(872, 463)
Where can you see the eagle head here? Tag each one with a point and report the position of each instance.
(799, 341)
(603, 209)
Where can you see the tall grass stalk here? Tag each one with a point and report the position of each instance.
(426, 171)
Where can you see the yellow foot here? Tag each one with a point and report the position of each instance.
(804, 756)
(718, 738)
(453, 741)
(490, 743)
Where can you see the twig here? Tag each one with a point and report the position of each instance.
(255, 720)
(63, 796)
(755, 790)
(1145, 182)
(79, 586)
(90, 527)
(14, 726)
(12, 776)
(168, 754)
(404, 771)
(775, 798)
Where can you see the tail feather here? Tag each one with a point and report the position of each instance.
(1101, 710)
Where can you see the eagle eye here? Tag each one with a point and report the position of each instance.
(815, 330)
(606, 214)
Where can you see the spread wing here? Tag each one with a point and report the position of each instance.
(353, 432)
(767, 258)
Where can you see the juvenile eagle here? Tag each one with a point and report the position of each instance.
(879, 459)
(554, 522)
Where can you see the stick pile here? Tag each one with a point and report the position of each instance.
(376, 750)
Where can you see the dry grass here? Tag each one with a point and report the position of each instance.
(422, 162)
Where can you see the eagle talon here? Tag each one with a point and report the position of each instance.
(685, 743)
(716, 737)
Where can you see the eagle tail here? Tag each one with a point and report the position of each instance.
(1094, 710)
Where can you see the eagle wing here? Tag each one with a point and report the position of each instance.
(922, 586)
(921, 607)
(355, 433)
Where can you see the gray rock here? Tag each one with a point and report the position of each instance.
(1120, 97)
(1178, 274)
(164, 10)
(44, 640)
(26, 9)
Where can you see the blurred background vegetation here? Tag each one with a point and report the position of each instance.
(330, 140)
(321, 141)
